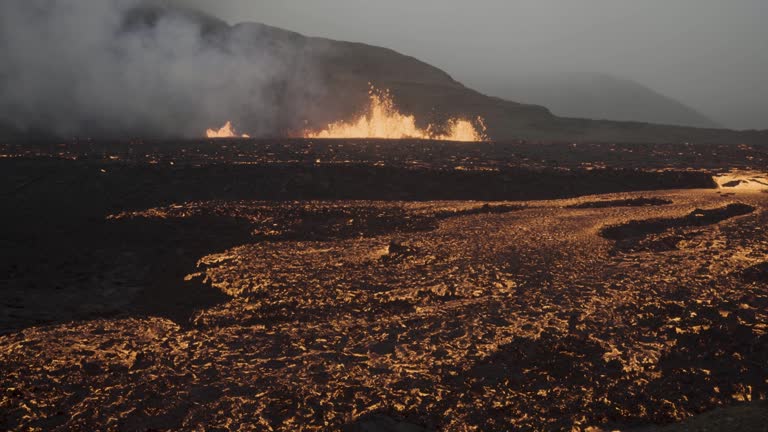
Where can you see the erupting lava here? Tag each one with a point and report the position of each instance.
(383, 120)
(226, 131)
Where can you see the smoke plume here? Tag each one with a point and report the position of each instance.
(131, 68)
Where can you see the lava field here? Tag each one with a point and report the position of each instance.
(177, 309)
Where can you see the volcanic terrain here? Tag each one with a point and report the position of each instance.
(382, 286)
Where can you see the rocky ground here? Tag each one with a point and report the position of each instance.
(600, 312)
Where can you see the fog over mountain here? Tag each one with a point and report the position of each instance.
(707, 54)
(138, 68)
(596, 96)
(146, 69)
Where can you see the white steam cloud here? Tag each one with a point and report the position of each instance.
(130, 68)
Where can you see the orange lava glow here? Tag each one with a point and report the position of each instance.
(226, 131)
(383, 120)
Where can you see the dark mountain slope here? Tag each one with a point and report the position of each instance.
(323, 80)
(597, 96)
(343, 70)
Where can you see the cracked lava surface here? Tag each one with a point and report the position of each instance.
(455, 316)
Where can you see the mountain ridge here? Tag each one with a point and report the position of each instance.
(597, 96)
(328, 80)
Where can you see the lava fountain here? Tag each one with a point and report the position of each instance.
(226, 131)
(383, 120)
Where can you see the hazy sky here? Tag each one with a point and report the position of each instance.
(709, 54)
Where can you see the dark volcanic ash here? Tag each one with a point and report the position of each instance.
(132, 68)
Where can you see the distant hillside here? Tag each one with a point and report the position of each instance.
(340, 73)
(329, 80)
(344, 69)
(599, 97)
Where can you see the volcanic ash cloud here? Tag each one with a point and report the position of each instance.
(133, 68)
